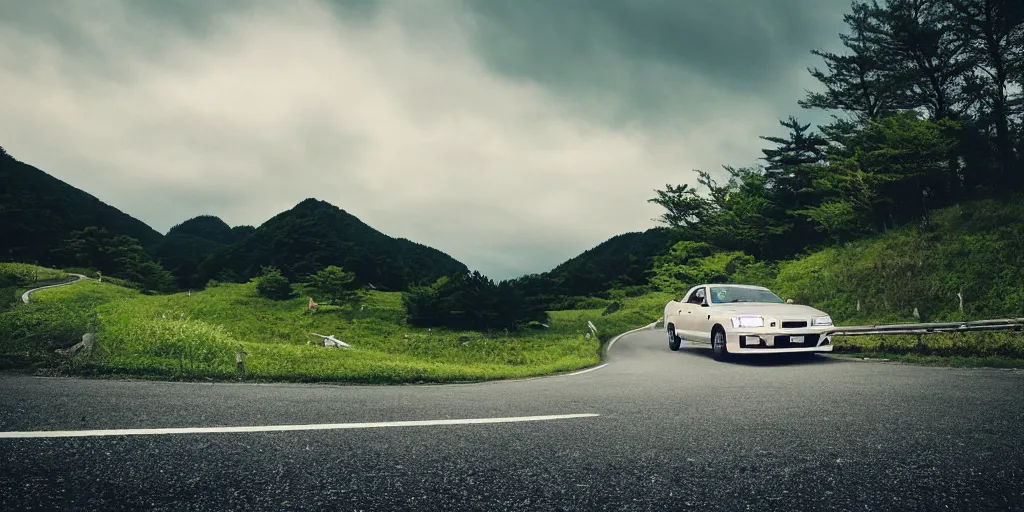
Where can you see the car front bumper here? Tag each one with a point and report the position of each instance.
(774, 342)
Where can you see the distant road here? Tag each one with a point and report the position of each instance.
(77, 277)
(652, 430)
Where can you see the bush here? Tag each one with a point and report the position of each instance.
(336, 286)
(8, 298)
(613, 307)
(470, 301)
(22, 274)
(273, 285)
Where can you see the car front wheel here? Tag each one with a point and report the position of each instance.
(718, 348)
(673, 340)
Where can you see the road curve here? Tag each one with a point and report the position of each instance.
(77, 277)
(657, 430)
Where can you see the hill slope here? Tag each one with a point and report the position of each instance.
(38, 211)
(315, 234)
(188, 244)
(622, 260)
(975, 249)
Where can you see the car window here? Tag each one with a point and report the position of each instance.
(697, 296)
(729, 294)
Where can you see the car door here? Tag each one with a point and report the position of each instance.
(696, 316)
(675, 313)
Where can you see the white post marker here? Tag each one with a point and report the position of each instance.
(283, 428)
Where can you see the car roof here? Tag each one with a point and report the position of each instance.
(750, 286)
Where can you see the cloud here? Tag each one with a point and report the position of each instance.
(404, 114)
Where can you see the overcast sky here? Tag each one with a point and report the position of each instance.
(512, 135)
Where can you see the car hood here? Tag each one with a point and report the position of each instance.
(771, 310)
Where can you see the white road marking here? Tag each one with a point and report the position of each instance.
(25, 296)
(587, 370)
(648, 326)
(281, 428)
(638, 329)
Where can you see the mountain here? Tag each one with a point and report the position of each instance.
(315, 234)
(207, 227)
(38, 212)
(188, 244)
(622, 260)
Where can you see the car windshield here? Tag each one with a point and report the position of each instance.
(727, 294)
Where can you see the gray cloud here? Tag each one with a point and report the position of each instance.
(512, 135)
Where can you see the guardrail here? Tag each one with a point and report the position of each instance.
(999, 324)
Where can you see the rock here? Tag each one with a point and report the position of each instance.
(83, 347)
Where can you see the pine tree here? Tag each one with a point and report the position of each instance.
(860, 83)
(788, 160)
(993, 31)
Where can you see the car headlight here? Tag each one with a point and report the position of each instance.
(747, 321)
(822, 320)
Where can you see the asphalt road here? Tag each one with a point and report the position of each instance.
(674, 431)
(77, 277)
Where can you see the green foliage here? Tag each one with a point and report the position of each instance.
(975, 249)
(273, 285)
(314, 235)
(38, 212)
(55, 318)
(8, 298)
(177, 336)
(24, 275)
(470, 301)
(691, 263)
(336, 286)
(622, 262)
(188, 244)
(119, 256)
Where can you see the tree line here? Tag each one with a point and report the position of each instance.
(926, 108)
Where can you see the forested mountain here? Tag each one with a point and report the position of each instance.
(38, 212)
(45, 220)
(210, 228)
(315, 234)
(621, 261)
(188, 244)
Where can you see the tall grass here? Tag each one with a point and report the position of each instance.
(23, 274)
(197, 336)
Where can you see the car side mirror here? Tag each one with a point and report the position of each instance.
(704, 304)
(789, 301)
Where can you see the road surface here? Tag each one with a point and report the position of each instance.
(658, 430)
(77, 277)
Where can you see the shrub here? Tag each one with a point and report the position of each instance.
(8, 298)
(336, 286)
(273, 285)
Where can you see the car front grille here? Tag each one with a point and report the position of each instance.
(810, 340)
(793, 325)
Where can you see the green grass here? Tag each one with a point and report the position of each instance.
(952, 362)
(975, 249)
(23, 274)
(181, 337)
(1000, 344)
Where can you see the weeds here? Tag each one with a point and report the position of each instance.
(177, 336)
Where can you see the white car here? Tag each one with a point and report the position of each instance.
(743, 319)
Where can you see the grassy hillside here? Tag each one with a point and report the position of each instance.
(975, 249)
(176, 336)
